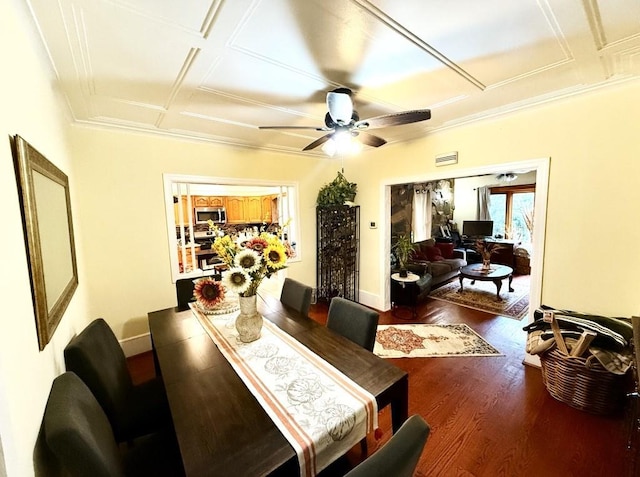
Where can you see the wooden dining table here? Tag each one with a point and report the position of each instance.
(221, 428)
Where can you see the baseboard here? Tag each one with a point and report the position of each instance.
(136, 344)
(371, 300)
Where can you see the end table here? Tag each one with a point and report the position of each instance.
(404, 293)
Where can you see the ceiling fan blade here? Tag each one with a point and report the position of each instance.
(371, 140)
(318, 142)
(315, 128)
(394, 119)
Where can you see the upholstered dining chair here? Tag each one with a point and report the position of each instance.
(399, 456)
(296, 295)
(97, 358)
(353, 321)
(77, 431)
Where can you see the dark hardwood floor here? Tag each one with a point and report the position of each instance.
(491, 416)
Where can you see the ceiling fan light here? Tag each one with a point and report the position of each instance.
(329, 148)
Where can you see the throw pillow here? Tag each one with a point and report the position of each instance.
(446, 249)
(434, 254)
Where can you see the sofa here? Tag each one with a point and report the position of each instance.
(439, 260)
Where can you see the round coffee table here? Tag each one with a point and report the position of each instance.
(495, 274)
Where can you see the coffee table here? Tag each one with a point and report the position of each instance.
(495, 274)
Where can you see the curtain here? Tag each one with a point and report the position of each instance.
(421, 220)
(484, 200)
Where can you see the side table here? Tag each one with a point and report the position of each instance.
(404, 293)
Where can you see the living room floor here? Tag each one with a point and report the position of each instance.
(491, 415)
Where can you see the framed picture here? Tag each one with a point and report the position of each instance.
(46, 215)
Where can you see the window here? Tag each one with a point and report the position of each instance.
(511, 210)
(239, 208)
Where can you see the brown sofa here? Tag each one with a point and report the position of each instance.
(440, 260)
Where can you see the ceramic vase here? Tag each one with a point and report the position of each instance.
(249, 321)
(486, 264)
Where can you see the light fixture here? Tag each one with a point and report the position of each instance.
(507, 177)
(342, 144)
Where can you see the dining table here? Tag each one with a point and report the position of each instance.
(221, 428)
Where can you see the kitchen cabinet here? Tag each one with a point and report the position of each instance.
(235, 210)
(253, 209)
(268, 208)
(208, 201)
(185, 212)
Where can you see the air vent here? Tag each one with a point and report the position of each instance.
(448, 158)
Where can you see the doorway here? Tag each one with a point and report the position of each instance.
(540, 166)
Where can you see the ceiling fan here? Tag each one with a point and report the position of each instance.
(343, 121)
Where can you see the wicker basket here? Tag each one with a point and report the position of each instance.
(582, 383)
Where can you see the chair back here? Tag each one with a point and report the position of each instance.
(353, 321)
(96, 357)
(400, 455)
(78, 432)
(296, 295)
(184, 290)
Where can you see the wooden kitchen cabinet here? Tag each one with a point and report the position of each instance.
(208, 201)
(235, 210)
(200, 201)
(267, 208)
(253, 209)
(185, 213)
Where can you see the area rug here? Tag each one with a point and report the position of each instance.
(482, 296)
(423, 341)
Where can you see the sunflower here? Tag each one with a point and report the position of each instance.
(275, 256)
(236, 280)
(208, 292)
(249, 260)
(257, 243)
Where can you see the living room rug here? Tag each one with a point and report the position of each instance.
(423, 341)
(482, 296)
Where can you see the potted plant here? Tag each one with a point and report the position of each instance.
(337, 192)
(403, 249)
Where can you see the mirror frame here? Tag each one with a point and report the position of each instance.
(48, 309)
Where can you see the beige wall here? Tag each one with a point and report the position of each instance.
(123, 214)
(594, 191)
(31, 109)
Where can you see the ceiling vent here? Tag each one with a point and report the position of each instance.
(446, 159)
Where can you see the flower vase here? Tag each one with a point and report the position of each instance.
(249, 321)
(486, 264)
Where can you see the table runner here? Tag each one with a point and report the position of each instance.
(320, 411)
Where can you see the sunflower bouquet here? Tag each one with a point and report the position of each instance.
(250, 262)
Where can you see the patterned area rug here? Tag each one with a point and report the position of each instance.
(482, 296)
(421, 341)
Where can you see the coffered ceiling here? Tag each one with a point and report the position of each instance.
(216, 70)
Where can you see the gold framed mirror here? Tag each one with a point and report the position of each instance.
(48, 228)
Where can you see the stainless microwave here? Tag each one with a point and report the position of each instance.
(202, 215)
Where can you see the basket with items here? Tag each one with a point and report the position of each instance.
(585, 358)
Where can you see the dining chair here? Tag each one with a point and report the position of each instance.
(296, 295)
(77, 431)
(353, 321)
(399, 456)
(184, 290)
(96, 357)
